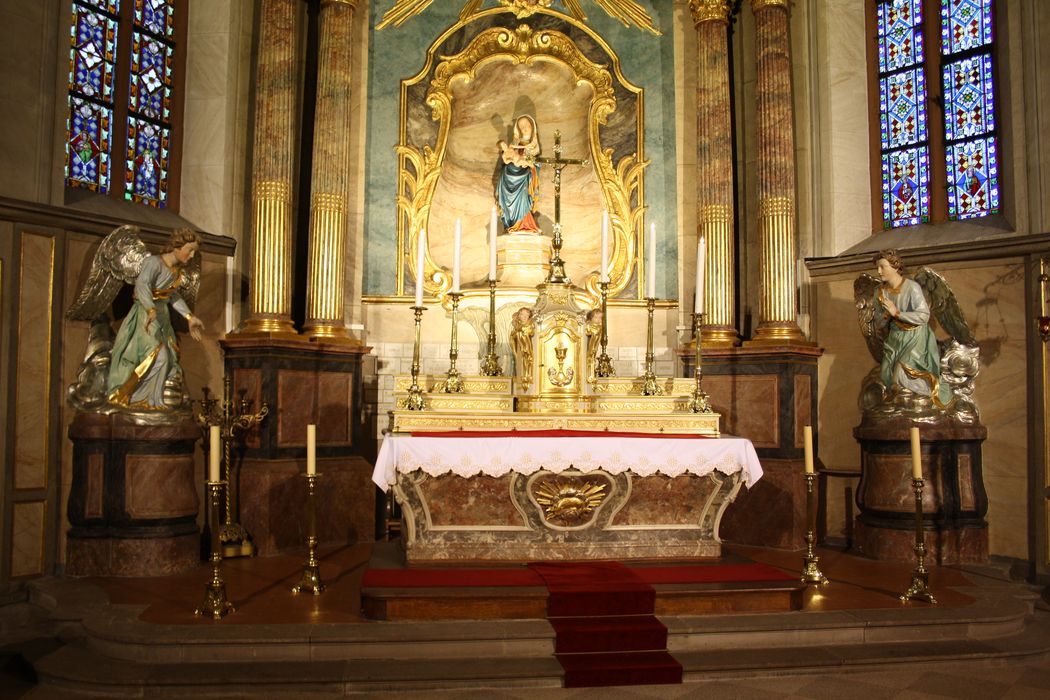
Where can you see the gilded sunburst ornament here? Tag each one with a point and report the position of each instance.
(569, 503)
(629, 12)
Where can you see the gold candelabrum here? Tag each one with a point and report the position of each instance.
(920, 577)
(311, 580)
(811, 574)
(232, 417)
(490, 365)
(415, 401)
(649, 386)
(453, 381)
(603, 363)
(215, 602)
(699, 401)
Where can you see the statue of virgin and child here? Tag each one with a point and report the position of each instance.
(138, 371)
(518, 181)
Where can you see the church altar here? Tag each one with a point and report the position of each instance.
(553, 495)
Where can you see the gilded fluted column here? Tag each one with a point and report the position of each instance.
(330, 184)
(778, 308)
(270, 300)
(714, 169)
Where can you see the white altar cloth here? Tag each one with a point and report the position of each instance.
(497, 456)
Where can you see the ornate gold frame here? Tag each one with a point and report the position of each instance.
(419, 167)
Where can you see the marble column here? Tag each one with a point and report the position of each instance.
(331, 173)
(714, 170)
(270, 301)
(778, 307)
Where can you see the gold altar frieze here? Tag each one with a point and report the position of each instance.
(654, 423)
(632, 386)
(457, 403)
(654, 405)
(471, 384)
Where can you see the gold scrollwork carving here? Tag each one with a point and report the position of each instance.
(420, 166)
(710, 10)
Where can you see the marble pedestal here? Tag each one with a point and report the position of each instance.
(766, 394)
(133, 499)
(486, 518)
(954, 500)
(302, 382)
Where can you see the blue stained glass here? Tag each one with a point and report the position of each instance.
(965, 24)
(903, 113)
(146, 167)
(156, 17)
(93, 39)
(969, 103)
(110, 6)
(900, 34)
(973, 178)
(906, 187)
(151, 62)
(89, 131)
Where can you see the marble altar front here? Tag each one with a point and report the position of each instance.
(558, 495)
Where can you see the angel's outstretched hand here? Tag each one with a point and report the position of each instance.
(196, 328)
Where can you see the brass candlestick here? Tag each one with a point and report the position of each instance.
(215, 602)
(920, 577)
(311, 580)
(811, 574)
(453, 382)
(415, 402)
(699, 401)
(231, 417)
(603, 363)
(650, 387)
(490, 365)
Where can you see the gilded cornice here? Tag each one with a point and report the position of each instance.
(710, 11)
(757, 5)
(352, 4)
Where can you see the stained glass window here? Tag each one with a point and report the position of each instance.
(904, 137)
(92, 58)
(968, 81)
(135, 88)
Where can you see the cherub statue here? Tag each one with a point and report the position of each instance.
(139, 370)
(918, 377)
(521, 344)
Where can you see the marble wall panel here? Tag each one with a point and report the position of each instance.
(760, 423)
(28, 37)
(93, 504)
(249, 381)
(803, 407)
(335, 397)
(159, 486)
(662, 500)
(33, 374)
(27, 539)
(297, 397)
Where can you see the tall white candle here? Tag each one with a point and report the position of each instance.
(807, 442)
(311, 449)
(214, 453)
(650, 272)
(457, 238)
(701, 269)
(603, 273)
(420, 253)
(492, 244)
(916, 454)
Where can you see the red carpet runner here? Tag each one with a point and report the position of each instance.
(606, 633)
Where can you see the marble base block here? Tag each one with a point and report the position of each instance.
(104, 556)
(772, 513)
(965, 545)
(571, 515)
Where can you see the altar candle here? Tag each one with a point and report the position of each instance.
(214, 453)
(603, 273)
(492, 245)
(650, 273)
(311, 450)
(420, 252)
(807, 442)
(457, 238)
(701, 269)
(916, 455)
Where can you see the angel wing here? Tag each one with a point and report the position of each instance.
(191, 281)
(943, 305)
(118, 260)
(402, 11)
(470, 8)
(874, 333)
(574, 9)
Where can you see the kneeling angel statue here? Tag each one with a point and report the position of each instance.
(139, 370)
(918, 377)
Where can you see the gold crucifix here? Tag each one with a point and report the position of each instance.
(557, 274)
